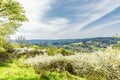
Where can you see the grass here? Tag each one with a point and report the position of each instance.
(15, 70)
(46, 75)
(101, 65)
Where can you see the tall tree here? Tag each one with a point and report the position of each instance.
(11, 17)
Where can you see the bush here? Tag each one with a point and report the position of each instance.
(2, 42)
(52, 51)
(28, 52)
(2, 50)
(116, 46)
(9, 47)
(103, 65)
(65, 52)
(36, 47)
(6, 46)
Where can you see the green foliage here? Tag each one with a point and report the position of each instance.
(79, 43)
(95, 48)
(36, 47)
(12, 16)
(65, 52)
(116, 36)
(17, 70)
(117, 46)
(52, 50)
(2, 44)
(58, 76)
(2, 50)
(6, 46)
(9, 47)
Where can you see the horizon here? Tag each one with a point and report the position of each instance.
(71, 19)
(69, 38)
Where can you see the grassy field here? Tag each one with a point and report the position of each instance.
(15, 70)
(101, 65)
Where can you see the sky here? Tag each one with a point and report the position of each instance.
(70, 19)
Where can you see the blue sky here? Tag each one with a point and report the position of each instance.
(67, 19)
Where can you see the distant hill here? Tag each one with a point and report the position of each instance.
(108, 40)
(78, 45)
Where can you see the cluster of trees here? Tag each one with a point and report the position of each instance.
(92, 45)
(11, 17)
(79, 45)
(62, 51)
(89, 46)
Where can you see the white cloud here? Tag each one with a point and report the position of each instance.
(99, 10)
(35, 9)
(36, 28)
(103, 25)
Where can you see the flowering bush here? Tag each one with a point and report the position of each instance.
(103, 65)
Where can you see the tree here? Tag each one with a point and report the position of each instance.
(21, 41)
(118, 42)
(116, 36)
(11, 17)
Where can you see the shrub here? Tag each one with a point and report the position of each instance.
(36, 47)
(28, 52)
(2, 42)
(116, 46)
(52, 51)
(103, 65)
(65, 52)
(2, 50)
(6, 46)
(9, 47)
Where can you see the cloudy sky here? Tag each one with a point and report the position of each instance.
(63, 19)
